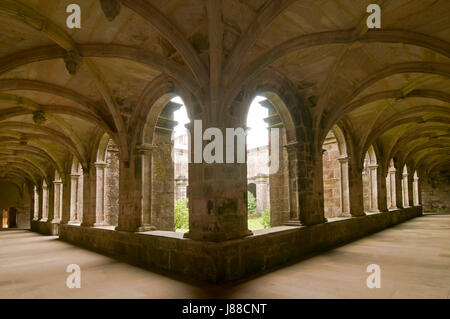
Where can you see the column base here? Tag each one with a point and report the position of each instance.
(215, 237)
(144, 228)
(294, 222)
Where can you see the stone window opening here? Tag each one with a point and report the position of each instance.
(370, 187)
(107, 183)
(335, 175)
(257, 143)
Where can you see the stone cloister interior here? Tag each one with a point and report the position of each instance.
(356, 120)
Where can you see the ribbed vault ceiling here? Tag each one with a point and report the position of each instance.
(389, 87)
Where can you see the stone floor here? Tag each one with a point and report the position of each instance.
(414, 258)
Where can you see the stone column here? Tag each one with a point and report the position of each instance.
(416, 191)
(100, 188)
(89, 197)
(181, 188)
(405, 190)
(344, 186)
(382, 192)
(66, 197)
(399, 188)
(145, 181)
(373, 188)
(262, 192)
(392, 188)
(57, 201)
(74, 200)
(44, 201)
(294, 207)
(51, 201)
(356, 191)
(36, 203)
(411, 190)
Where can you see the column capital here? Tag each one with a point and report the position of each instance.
(100, 164)
(345, 159)
(145, 148)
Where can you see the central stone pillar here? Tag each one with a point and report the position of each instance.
(305, 185)
(217, 189)
(130, 195)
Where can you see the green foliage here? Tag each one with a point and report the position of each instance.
(181, 214)
(265, 218)
(251, 203)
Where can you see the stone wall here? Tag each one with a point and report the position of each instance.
(436, 195)
(12, 196)
(233, 259)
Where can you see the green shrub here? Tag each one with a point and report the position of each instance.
(251, 203)
(181, 214)
(265, 221)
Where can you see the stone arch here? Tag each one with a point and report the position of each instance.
(155, 145)
(107, 182)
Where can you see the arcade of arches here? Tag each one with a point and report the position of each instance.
(86, 125)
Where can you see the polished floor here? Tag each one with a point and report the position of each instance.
(414, 260)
